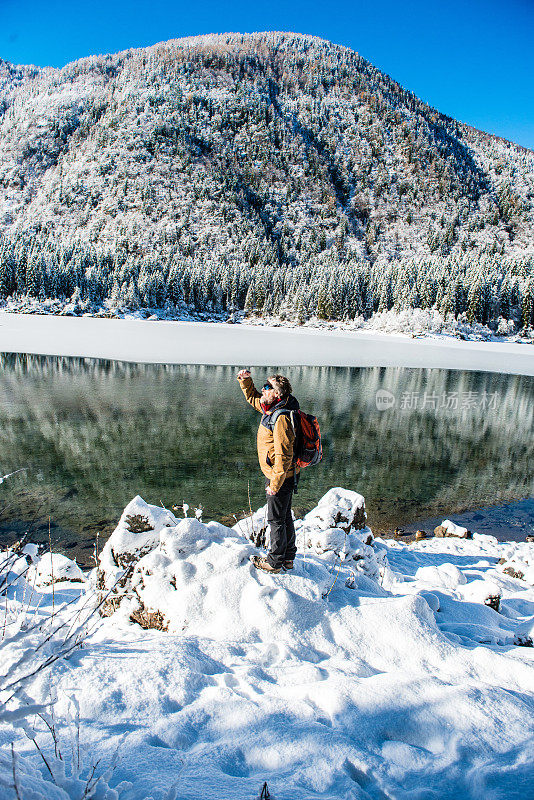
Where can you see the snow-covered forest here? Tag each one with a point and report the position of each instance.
(273, 173)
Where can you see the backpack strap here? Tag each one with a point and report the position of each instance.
(292, 418)
(292, 414)
(274, 416)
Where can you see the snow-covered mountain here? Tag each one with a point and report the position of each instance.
(272, 171)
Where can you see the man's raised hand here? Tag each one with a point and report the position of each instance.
(244, 373)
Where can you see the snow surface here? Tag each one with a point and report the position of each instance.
(146, 341)
(373, 670)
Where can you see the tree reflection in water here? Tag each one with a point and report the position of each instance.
(95, 433)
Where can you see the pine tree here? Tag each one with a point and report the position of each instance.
(7, 273)
(475, 302)
(34, 276)
(250, 300)
(527, 305)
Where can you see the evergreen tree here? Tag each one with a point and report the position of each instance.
(528, 304)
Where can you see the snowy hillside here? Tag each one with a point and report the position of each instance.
(271, 172)
(374, 670)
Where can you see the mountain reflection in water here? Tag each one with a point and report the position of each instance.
(92, 434)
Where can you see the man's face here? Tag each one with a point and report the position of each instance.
(268, 395)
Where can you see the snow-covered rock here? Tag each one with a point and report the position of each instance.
(515, 568)
(517, 560)
(337, 527)
(54, 568)
(483, 591)
(338, 508)
(14, 570)
(137, 533)
(446, 576)
(179, 571)
(449, 528)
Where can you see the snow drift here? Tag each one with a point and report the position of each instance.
(186, 576)
(375, 669)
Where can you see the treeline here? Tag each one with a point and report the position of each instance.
(482, 289)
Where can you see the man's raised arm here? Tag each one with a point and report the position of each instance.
(252, 395)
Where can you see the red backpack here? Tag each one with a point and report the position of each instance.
(308, 449)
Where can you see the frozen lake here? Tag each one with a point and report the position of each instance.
(168, 342)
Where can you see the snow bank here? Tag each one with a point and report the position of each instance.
(136, 535)
(517, 560)
(338, 508)
(474, 599)
(185, 575)
(16, 564)
(373, 669)
(430, 322)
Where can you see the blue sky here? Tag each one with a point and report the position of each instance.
(468, 58)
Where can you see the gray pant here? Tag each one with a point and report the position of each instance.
(279, 517)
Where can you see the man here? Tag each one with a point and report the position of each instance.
(275, 452)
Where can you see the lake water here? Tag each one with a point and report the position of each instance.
(417, 443)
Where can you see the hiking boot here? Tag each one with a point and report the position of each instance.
(262, 563)
(288, 564)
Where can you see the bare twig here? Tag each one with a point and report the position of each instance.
(51, 565)
(5, 616)
(15, 783)
(325, 594)
(52, 729)
(76, 755)
(4, 477)
(72, 640)
(41, 622)
(88, 787)
(250, 509)
(25, 610)
(44, 759)
(12, 556)
(15, 580)
(265, 794)
(95, 551)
